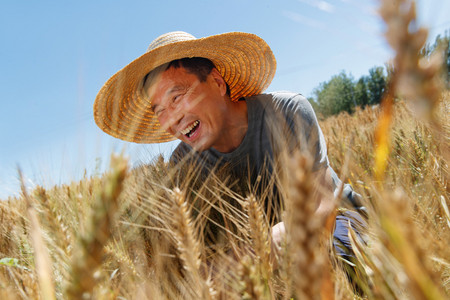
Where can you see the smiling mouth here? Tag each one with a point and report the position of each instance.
(189, 131)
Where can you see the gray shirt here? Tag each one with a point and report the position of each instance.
(276, 122)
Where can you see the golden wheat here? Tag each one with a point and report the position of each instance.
(141, 237)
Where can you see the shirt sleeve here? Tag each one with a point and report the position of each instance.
(303, 130)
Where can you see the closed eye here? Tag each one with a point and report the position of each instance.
(159, 112)
(177, 97)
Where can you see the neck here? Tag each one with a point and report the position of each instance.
(237, 124)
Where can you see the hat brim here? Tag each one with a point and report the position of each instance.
(244, 60)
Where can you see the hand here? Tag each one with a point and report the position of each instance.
(278, 238)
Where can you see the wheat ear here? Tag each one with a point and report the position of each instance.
(260, 241)
(250, 280)
(188, 245)
(304, 229)
(403, 242)
(90, 247)
(417, 79)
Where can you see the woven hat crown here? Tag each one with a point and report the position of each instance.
(169, 38)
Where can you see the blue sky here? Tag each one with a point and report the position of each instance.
(56, 55)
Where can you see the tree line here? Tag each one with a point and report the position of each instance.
(343, 93)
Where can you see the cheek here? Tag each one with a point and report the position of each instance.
(195, 102)
(169, 130)
(163, 121)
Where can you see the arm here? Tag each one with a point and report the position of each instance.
(325, 204)
(307, 137)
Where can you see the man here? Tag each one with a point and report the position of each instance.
(207, 93)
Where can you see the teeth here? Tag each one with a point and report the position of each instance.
(189, 128)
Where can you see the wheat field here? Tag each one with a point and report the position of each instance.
(158, 232)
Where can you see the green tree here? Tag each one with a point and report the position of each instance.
(340, 93)
(361, 91)
(376, 84)
(336, 95)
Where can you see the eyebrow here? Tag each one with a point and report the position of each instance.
(175, 88)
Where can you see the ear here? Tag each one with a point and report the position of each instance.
(218, 79)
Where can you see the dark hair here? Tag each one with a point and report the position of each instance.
(199, 66)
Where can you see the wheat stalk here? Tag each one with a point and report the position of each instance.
(42, 258)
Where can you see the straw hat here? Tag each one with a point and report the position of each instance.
(244, 60)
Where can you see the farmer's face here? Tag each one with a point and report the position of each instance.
(191, 110)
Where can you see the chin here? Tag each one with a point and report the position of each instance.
(199, 147)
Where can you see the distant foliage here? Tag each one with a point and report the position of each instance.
(339, 87)
(343, 93)
(442, 43)
(376, 84)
